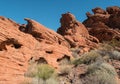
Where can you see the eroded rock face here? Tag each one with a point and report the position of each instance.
(43, 34)
(18, 47)
(102, 23)
(98, 10)
(113, 9)
(75, 32)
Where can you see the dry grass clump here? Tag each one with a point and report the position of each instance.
(31, 70)
(115, 55)
(87, 58)
(100, 73)
(51, 81)
(65, 70)
(115, 42)
(26, 81)
(44, 71)
(108, 50)
(75, 52)
(40, 73)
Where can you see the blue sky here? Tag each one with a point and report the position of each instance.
(48, 12)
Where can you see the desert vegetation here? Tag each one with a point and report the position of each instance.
(95, 64)
(41, 74)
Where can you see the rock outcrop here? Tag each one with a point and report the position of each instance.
(104, 24)
(22, 44)
(43, 34)
(75, 32)
(18, 47)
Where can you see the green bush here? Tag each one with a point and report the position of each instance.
(44, 71)
(87, 58)
(115, 55)
(100, 73)
(105, 67)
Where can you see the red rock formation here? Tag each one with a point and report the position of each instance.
(43, 34)
(98, 10)
(114, 19)
(17, 48)
(102, 23)
(75, 32)
(113, 9)
(19, 44)
(103, 32)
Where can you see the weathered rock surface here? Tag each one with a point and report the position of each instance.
(22, 44)
(75, 32)
(43, 34)
(18, 48)
(103, 32)
(102, 23)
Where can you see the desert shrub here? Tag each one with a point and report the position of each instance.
(52, 81)
(31, 70)
(87, 58)
(115, 55)
(26, 81)
(36, 81)
(44, 71)
(99, 78)
(106, 46)
(103, 52)
(75, 52)
(104, 49)
(65, 69)
(114, 42)
(108, 50)
(111, 54)
(105, 67)
(64, 60)
(100, 73)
